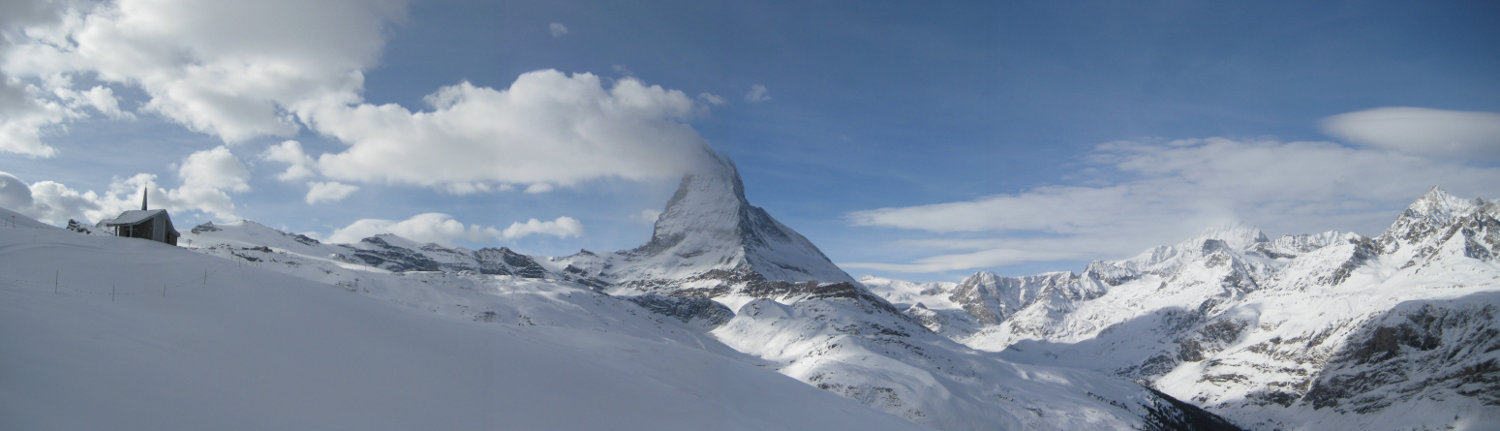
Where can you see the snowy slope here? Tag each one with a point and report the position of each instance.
(189, 341)
(1317, 331)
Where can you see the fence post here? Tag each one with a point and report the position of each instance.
(55, 275)
(111, 293)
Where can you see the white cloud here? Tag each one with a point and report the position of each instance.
(244, 70)
(548, 127)
(236, 70)
(758, 93)
(712, 99)
(331, 191)
(562, 227)
(300, 165)
(649, 216)
(103, 99)
(1422, 131)
(207, 179)
(539, 188)
(55, 203)
(1152, 193)
(24, 118)
(557, 29)
(15, 195)
(427, 228)
(215, 168)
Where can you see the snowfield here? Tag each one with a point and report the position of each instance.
(189, 341)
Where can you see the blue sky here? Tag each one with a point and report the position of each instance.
(919, 141)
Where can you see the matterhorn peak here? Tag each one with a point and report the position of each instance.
(709, 228)
(709, 201)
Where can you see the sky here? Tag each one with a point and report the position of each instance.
(920, 141)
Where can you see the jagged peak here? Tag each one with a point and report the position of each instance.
(708, 225)
(1439, 205)
(710, 199)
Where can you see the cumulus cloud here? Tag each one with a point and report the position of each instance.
(1152, 193)
(246, 70)
(427, 228)
(443, 229)
(15, 195)
(1422, 131)
(236, 70)
(330, 191)
(24, 118)
(208, 177)
(206, 180)
(562, 227)
(548, 127)
(557, 29)
(300, 166)
(758, 93)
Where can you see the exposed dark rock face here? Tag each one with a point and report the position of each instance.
(379, 253)
(75, 226)
(1171, 414)
(685, 309)
(206, 227)
(1418, 350)
(504, 261)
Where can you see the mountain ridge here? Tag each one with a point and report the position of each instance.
(1296, 331)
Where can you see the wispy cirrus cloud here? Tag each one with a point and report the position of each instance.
(758, 93)
(1147, 193)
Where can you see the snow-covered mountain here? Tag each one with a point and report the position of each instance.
(99, 332)
(710, 242)
(728, 271)
(1330, 330)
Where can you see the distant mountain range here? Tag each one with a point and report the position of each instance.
(1322, 331)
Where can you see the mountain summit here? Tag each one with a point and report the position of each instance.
(710, 236)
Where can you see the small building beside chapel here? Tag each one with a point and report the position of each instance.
(155, 225)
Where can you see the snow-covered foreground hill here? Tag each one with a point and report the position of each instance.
(98, 332)
(699, 328)
(1325, 331)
